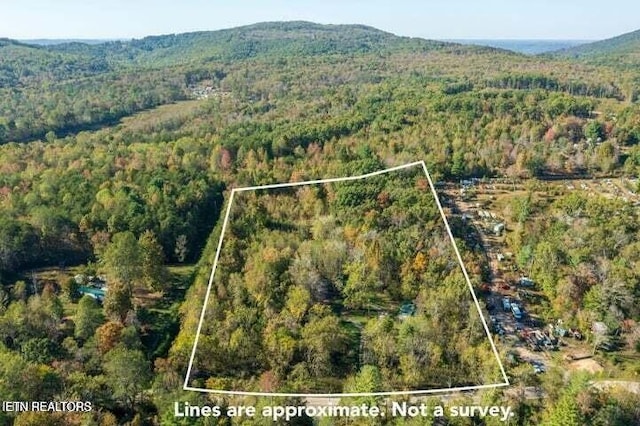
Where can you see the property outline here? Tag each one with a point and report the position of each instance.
(340, 395)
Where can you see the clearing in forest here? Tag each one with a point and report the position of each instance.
(341, 286)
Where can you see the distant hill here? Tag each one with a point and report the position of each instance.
(269, 39)
(527, 47)
(22, 63)
(623, 49)
(72, 86)
(55, 41)
(65, 59)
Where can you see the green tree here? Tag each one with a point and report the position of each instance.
(323, 337)
(458, 164)
(567, 411)
(128, 373)
(4, 299)
(154, 274)
(20, 380)
(181, 248)
(535, 165)
(39, 350)
(606, 157)
(545, 266)
(367, 380)
(88, 318)
(71, 288)
(280, 346)
(521, 208)
(298, 300)
(594, 130)
(118, 301)
(122, 258)
(20, 290)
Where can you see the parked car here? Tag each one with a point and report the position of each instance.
(515, 310)
(538, 367)
(506, 304)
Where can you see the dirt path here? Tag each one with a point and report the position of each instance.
(633, 387)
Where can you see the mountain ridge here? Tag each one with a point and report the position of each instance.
(93, 85)
(308, 38)
(259, 39)
(623, 49)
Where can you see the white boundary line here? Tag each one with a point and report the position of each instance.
(339, 395)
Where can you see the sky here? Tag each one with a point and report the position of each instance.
(435, 19)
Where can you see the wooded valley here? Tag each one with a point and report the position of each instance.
(117, 161)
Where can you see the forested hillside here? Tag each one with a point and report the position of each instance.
(623, 50)
(71, 87)
(116, 161)
(308, 275)
(88, 85)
